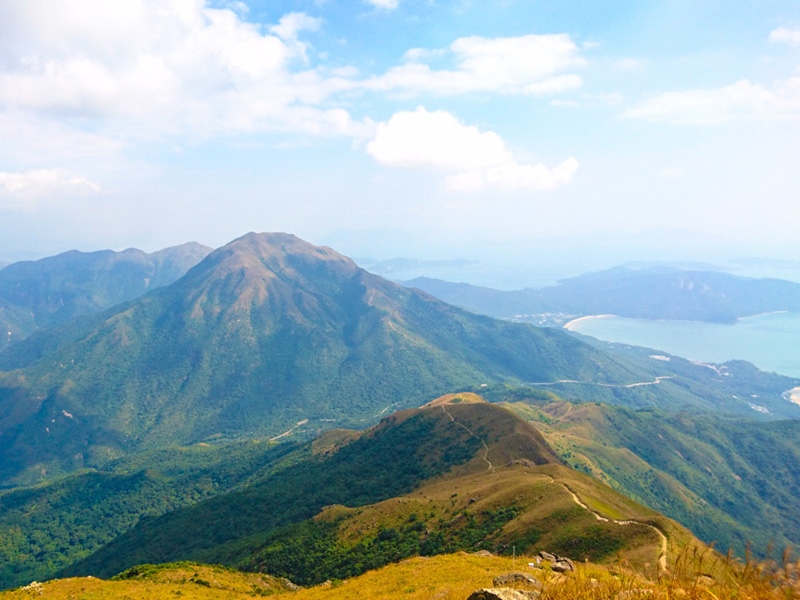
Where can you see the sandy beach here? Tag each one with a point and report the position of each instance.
(570, 324)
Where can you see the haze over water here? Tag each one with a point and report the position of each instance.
(770, 341)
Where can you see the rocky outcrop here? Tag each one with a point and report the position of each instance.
(559, 564)
(503, 594)
(514, 578)
(547, 556)
(563, 565)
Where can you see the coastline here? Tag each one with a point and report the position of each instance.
(569, 324)
(793, 395)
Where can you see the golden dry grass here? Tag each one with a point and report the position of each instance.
(456, 576)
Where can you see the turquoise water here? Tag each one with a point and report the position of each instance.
(770, 341)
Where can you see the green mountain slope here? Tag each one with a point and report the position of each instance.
(732, 481)
(649, 293)
(497, 486)
(264, 333)
(45, 528)
(392, 458)
(43, 293)
(517, 508)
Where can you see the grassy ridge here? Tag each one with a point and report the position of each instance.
(390, 459)
(729, 480)
(48, 527)
(520, 508)
(447, 577)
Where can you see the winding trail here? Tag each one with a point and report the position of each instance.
(656, 381)
(289, 431)
(472, 433)
(380, 413)
(662, 558)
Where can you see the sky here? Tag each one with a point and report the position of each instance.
(538, 131)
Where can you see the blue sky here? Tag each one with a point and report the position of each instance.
(533, 130)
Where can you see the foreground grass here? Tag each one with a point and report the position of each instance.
(693, 576)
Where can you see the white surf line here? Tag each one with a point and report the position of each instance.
(662, 558)
(656, 381)
(485, 447)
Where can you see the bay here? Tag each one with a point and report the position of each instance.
(770, 341)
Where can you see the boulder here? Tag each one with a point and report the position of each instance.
(512, 578)
(503, 594)
(562, 565)
(547, 556)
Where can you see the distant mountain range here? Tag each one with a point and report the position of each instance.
(175, 424)
(648, 293)
(264, 333)
(40, 294)
(269, 334)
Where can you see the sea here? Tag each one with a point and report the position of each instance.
(770, 341)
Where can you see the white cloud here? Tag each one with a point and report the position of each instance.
(385, 4)
(742, 99)
(785, 35)
(32, 139)
(20, 189)
(290, 25)
(293, 23)
(512, 177)
(531, 64)
(435, 139)
(156, 67)
(473, 160)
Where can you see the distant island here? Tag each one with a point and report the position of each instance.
(647, 293)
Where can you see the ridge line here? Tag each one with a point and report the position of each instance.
(472, 433)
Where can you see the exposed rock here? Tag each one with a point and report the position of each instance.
(511, 578)
(563, 565)
(482, 553)
(503, 594)
(289, 585)
(547, 556)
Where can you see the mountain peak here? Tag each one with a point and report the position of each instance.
(272, 243)
(277, 273)
(461, 398)
(264, 333)
(282, 254)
